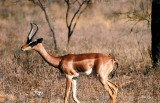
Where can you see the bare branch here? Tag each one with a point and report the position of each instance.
(67, 12)
(135, 25)
(76, 13)
(143, 18)
(42, 6)
(78, 18)
(74, 19)
(142, 13)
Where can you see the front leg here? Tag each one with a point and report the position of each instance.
(68, 87)
(74, 90)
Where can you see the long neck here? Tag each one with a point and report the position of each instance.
(54, 61)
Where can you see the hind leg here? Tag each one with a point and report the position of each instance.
(114, 86)
(103, 70)
(114, 89)
(109, 89)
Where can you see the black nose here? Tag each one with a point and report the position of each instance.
(22, 47)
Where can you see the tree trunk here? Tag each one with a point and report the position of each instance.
(155, 29)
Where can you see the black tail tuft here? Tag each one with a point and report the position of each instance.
(114, 72)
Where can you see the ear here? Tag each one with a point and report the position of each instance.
(39, 40)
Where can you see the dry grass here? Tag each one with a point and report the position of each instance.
(26, 78)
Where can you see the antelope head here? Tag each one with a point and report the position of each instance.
(30, 44)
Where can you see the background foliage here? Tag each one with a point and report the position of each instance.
(120, 29)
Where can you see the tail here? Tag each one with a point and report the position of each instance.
(115, 62)
(114, 72)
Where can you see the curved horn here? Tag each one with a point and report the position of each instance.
(29, 34)
(35, 31)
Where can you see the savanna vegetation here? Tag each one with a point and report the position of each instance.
(118, 28)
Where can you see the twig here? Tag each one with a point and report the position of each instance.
(48, 21)
(74, 19)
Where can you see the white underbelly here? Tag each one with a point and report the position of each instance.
(88, 72)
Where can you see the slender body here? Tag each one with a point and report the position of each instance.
(72, 64)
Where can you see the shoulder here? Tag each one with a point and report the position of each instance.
(68, 57)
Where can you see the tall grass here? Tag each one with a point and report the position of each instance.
(26, 78)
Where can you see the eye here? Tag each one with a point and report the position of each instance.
(32, 44)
